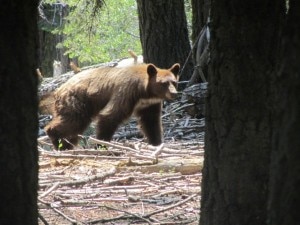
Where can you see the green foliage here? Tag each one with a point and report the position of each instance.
(60, 144)
(96, 36)
(102, 147)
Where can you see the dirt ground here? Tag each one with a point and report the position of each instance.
(126, 182)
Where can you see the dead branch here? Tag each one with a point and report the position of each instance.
(87, 179)
(120, 181)
(55, 186)
(158, 151)
(117, 146)
(58, 211)
(170, 207)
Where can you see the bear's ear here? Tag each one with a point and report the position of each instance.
(175, 69)
(151, 70)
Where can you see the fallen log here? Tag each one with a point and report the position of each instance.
(183, 166)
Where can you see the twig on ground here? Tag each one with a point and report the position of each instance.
(117, 146)
(56, 185)
(170, 207)
(87, 179)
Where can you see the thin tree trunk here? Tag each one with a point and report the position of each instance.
(284, 201)
(200, 10)
(238, 120)
(18, 113)
(47, 49)
(164, 34)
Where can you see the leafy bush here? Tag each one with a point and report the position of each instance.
(96, 36)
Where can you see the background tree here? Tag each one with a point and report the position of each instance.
(284, 199)
(200, 9)
(18, 112)
(51, 17)
(244, 37)
(164, 34)
(90, 31)
(200, 39)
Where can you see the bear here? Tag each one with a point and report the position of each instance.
(111, 95)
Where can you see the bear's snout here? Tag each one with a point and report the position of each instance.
(172, 96)
(172, 93)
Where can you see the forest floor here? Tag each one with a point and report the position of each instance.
(126, 181)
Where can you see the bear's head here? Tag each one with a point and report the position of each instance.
(163, 82)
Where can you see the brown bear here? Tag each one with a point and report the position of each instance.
(112, 95)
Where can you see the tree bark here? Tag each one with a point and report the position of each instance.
(284, 199)
(238, 118)
(18, 112)
(164, 34)
(47, 52)
(200, 10)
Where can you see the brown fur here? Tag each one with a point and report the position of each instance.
(112, 95)
(46, 103)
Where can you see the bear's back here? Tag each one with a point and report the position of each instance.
(96, 87)
(108, 74)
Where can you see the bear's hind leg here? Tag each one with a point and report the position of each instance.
(150, 123)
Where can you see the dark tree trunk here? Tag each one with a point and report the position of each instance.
(200, 34)
(64, 59)
(200, 10)
(284, 198)
(18, 112)
(47, 52)
(164, 34)
(238, 119)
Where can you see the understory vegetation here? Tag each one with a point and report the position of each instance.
(94, 33)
